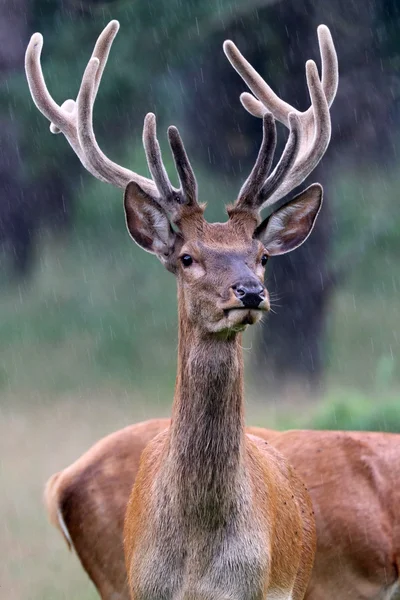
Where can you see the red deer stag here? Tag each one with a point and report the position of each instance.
(214, 511)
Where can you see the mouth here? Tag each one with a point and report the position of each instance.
(243, 315)
(245, 309)
(237, 318)
(237, 310)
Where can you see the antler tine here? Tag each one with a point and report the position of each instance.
(252, 105)
(310, 130)
(257, 191)
(292, 147)
(154, 158)
(61, 117)
(301, 155)
(279, 108)
(184, 169)
(267, 97)
(101, 51)
(329, 61)
(37, 85)
(251, 187)
(187, 193)
(69, 106)
(97, 160)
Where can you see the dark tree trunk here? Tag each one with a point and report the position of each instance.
(14, 230)
(292, 338)
(25, 202)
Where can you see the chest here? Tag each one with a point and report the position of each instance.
(191, 564)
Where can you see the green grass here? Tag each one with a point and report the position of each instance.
(364, 339)
(83, 322)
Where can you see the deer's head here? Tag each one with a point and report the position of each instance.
(219, 266)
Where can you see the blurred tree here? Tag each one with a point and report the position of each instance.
(29, 195)
(14, 227)
(362, 135)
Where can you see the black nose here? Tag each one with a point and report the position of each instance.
(251, 293)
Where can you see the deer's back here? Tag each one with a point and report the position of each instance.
(354, 482)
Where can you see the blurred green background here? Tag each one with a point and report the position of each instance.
(88, 321)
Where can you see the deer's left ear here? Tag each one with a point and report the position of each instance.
(288, 227)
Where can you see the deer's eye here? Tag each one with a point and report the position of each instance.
(187, 260)
(264, 259)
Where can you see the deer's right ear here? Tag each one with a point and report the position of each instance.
(148, 223)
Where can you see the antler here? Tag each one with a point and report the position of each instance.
(310, 131)
(75, 120)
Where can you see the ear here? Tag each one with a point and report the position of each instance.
(287, 228)
(148, 223)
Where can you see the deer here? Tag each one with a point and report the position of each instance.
(214, 510)
(352, 478)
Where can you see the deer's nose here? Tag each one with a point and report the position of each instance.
(250, 293)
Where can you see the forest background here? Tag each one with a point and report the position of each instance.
(88, 324)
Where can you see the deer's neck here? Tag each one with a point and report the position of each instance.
(207, 431)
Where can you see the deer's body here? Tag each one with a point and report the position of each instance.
(353, 479)
(214, 514)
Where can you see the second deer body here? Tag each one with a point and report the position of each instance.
(353, 479)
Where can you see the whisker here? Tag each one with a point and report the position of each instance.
(275, 296)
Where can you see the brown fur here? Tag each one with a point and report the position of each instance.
(352, 479)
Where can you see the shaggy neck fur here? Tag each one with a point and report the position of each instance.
(207, 431)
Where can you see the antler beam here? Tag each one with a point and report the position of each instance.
(310, 131)
(75, 120)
